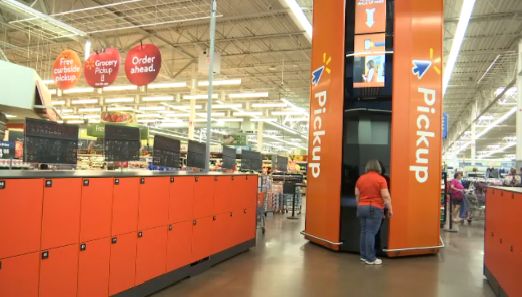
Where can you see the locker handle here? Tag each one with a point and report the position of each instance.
(171, 179)
(0, 265)
(85, 182)
(116, 181)
(140, 234)
(196, 178)
(213, 218)
(142, 180)
(170, 227)
(83, 247)
(2, 186)
(244, 211)
(231, 214)
(114, 240)
(232, 177)
(511, 249)
(45, 255)
(48, 183)
(194, 222)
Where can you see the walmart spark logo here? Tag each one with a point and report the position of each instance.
(318, 73)
(421, 67)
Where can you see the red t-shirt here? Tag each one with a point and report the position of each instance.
(370, 186)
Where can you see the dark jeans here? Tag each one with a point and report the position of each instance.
(370, 219)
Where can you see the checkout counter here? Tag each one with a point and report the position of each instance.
(129, 233)
(503, 240)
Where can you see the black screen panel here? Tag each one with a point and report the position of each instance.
(196, 154)
(229, 157)
(122, 143)
(166, 152)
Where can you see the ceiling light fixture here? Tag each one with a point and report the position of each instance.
(78, 90)
(58, 102)
(75, 122)
(226, 106)
(48, 81)
(462, 25)
(152, 108)
(300, 18)
(157, 98)
(120, 88)
(120, 108)
(286, 113)
(263, 120)
(171, 85)
(225, 82)
(268, 105)
(84, 101)
(199, 97)
(119, 100)
(90, 109)
(248, 95)
(248, 113)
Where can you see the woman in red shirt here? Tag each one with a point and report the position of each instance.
(371, 192)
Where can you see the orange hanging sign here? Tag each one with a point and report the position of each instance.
(370, 16)
(67, 69)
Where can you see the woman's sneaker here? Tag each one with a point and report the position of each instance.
(375, 262)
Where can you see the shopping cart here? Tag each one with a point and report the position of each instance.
(260, 211)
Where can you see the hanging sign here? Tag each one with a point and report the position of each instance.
(117, 117)
(67, 69)
(370, 16)
(143, 64)
(101, 69)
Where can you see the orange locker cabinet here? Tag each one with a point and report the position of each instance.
(19, 276)
(151, 255)
(234, 228)
(154, 202)
(179, 245)
(96, 209)
(202, 238)
(61, 212)
(204, 196)
(247, 223)
(122, 263)
(59, 272)
(222, 236)
(181, 200)
(250, 195)
(222, 194)
(20, 216)
(93, 268)
(125, 205)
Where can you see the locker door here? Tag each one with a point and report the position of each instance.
(125, 205)
(179, 245)
(59, 272)
(151, 254)
(248, 225)
(234, 193)
(122, 263)
(93, 268)
(203, 196)
(242, 192)
(19, 276)
(202, 242)
(234, 227)
(221, 233)
(61, 212)
(20, 216)
(250, 198)
(96, 209)
(181, 199)
(222, 194)
(154, 202)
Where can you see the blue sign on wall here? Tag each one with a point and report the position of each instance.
(444, 125)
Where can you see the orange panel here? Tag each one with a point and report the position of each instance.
(235, 193)
(250, 197)
(151, 254)
(59, 272)
(93, 268)
(222, 194)
(122, 263)
(416, 125)
(179, 246)
(204, 196)
(235, 229)
(19, 276)
(61, 212)
(20, 216)
(154, 202)
(181, 199)
(96, 210)
(202, 238)
(221, 232)
(125, 205)
(323, 198)
(247, 224)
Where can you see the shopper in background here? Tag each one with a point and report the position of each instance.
(457, 195)
(512, 179)
(372, 195)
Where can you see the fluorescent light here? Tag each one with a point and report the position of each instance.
(182, 107)
(167, 85)
(157, 98)
(248, 113)
(90, 109)
(226, 106)
(39, 15)
(87, 49)
(120, 88)
(296, 119)
(282, 127)
(173, 125)
(214, 114)
(48, 82)
(78, 90)
(175, 114)
(75, 122)
(120, 108)
(228, 120)
(172, 121)
(10, 116)
(200, 120)
(147, 121)
(119, 100)
(268, 105)
(66, 110)
(500, 150)
(91, 116)
(286, 112)
(58, 102)
(199, 97)
(225, 82)
(71, 117)
(84, 101)
(300, 18)
(248, 95)
(152, 108)
(52, 91)
(263, 120)
(148, 115)
(295, 107)
(462, 25)
(94, 121)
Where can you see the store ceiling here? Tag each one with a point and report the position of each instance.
(258, 41)
(486, 64)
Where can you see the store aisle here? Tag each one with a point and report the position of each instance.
(284, 264)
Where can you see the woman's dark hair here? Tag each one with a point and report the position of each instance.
(457, 174)
(383, 170)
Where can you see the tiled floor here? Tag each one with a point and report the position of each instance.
(284, 264)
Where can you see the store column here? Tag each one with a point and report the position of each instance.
(260, 131)
(473, 129)
(519, 105)
(192, 112)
